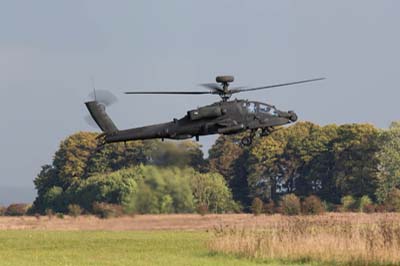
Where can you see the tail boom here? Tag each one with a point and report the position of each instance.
(98, 113)
(141, 133)
(111, 134)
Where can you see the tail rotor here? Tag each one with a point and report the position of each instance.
(99, 100)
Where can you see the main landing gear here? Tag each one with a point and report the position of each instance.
(248, 140)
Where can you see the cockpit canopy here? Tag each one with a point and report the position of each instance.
(254, 107)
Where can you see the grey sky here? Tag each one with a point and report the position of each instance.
(49, 50)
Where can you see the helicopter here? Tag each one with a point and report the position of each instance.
(225, 117)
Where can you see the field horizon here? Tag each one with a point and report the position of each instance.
(150, 222)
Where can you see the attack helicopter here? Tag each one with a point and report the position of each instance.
(224, 117)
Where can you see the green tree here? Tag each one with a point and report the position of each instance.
(307, 159)
(210, 190)
(53, 199)
(389, 158)
(114, 188)
(223, 154)
(46, 179)
(167, 204)
(281, 162)
(164, 189)
(180, 154)
(356, 162)
(146, 200)
(229, 158)
(115, 156)
(78, 159)
(71, 159)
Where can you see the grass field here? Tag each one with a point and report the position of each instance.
(27, 247)
(195, 240)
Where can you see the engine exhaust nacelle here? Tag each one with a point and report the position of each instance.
(205, 112)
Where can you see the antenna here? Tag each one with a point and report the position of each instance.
(94, 88)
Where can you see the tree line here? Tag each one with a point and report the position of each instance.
(141, 177)
(329, 162)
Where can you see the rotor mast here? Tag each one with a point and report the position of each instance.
(224, 92)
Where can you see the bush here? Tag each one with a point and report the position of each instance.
(348, 203)
(2, 210)
(290, 205)
(269, 208)
(380, 208)
(17, 209)
(105, 210)
(312, 205)
(370, 208)
(165, 190)
(365, 204)
(392, 204)
(235, 207)
(329, 207)
(211, 188)
(31, 210)
(60, 215)
(74, 210)
(202, 209)
(257, 206)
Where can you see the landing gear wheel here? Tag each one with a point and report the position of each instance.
(246, 141)
(293, 116)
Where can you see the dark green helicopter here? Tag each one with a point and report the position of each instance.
(223, 117)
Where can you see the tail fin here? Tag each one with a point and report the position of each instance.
(98, 112)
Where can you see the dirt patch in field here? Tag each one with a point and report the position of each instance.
(162, 222)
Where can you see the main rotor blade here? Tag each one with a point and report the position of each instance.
(169, 92)
(217, 88)
(212, 86)
(275, 85)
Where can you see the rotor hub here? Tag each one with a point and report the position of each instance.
(224, 79)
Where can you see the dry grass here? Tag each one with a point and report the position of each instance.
(188, 222)
(344, 239)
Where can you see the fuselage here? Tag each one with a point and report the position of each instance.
(226, 117)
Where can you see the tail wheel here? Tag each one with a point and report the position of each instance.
(246, 141)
